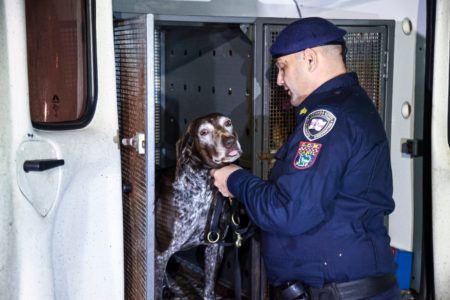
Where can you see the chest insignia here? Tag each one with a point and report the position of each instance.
(306, 156)
(318, 123)
(303, 111)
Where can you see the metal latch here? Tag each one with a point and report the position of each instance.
(412, 147)
(137, 142)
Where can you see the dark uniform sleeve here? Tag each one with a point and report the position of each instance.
(304, 181)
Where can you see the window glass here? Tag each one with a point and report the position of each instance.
(58, 63)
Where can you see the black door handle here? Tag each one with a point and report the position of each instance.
(40, 165)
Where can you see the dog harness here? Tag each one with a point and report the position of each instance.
(217, 233)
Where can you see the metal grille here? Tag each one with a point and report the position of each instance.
(365, 56)
(157, 66)
(282, 118)
(130, 58)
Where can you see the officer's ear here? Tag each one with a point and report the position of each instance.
(311, 58)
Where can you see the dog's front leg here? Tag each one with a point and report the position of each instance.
(213, 258)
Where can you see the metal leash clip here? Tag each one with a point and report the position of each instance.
(238, 241)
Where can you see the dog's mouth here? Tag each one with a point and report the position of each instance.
(233, 152)
(228, 156)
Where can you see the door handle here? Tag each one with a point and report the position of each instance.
(40, 165)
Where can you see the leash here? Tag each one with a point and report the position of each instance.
(239, 235)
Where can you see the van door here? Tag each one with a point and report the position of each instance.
(440, 152)
(61, 208)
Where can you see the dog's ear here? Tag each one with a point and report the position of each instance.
(184, 148)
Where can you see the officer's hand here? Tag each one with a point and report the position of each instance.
(221, 176)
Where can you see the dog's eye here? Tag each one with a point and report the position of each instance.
(228, 123)
(204, 132)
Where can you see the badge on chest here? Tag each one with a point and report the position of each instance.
(318, 124)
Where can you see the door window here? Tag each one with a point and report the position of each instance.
(60, 63)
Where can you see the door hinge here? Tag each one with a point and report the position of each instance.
(412, 147)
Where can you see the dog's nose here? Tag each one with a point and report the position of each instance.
(229, 141)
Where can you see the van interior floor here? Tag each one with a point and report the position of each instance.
(186, 281)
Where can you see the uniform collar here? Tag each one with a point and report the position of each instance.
(341, 81)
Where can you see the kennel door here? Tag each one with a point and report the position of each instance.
(135, 77)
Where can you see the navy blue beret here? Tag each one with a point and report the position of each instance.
(306, 33)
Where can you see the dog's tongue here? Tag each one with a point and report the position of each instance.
(233, 153)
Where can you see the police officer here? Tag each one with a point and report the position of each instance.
(321, 213)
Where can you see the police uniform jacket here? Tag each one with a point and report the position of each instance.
(322, 211)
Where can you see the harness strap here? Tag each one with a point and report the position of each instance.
(213, 234)
(235, 221)
(237, 275)
(239, 234)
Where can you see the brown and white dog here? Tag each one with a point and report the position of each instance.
(183, 202)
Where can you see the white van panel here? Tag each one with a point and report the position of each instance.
(14, 89)
(71, 248)
(401, 221)
(440, 153)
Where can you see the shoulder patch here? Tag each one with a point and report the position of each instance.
(318, 124)
(306, 156)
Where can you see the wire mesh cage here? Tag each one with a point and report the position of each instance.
(366, 55)
(200, 68)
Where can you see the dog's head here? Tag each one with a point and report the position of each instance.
(209, 142)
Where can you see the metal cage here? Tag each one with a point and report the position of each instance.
(203, 65)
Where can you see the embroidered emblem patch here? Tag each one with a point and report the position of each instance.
(306, 156)
(318, 123)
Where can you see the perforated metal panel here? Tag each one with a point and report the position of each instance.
(130, 57)
(367, 48)
(207, 68)
(157, 77)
